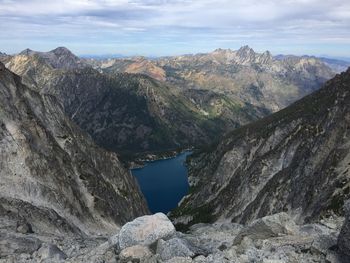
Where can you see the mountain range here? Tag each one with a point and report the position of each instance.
(168, 103)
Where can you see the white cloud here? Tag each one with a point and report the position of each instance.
(185, 20)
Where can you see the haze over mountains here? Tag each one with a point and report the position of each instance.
(172, 102)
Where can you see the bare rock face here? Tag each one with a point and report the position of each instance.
(52, 174)
(294, 161)
(145, 230)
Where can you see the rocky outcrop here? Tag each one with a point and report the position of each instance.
(296, 161)
(53, 179)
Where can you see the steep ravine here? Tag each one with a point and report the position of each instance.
(296, 161)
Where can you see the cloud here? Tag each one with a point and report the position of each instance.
(157, 24)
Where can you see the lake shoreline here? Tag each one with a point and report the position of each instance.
(141, 161)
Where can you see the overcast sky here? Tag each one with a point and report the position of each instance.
(166, 27)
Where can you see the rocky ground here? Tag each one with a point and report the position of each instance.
(271, 239)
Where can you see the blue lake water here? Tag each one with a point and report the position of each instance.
(163, 182)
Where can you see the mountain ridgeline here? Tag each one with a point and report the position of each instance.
(137, 105)
(296, 160)
(52, 174)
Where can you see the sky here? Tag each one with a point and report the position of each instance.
(173, 27)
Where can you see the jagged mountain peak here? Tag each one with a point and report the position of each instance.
(62, 51)
(26, 52)
(60, 58)
(246, 48)
(222, 50)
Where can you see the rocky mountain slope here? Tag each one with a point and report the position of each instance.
(296, 161)
(53, 178)
(135, 113)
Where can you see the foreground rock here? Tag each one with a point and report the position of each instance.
(145, 230)
(153, 239)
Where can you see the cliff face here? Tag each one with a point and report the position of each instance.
(296, 161)
(52, 174)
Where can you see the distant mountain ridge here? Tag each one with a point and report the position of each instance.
(59, 58)
(337, 65)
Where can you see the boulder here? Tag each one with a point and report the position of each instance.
(51, 252)
(344, 236)
(172, 248)
(268, 226)
(136, 253)
(146, 230)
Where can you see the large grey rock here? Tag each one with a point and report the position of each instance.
(172, 248)
(145, 230)
(344, 236)
(268, 226)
